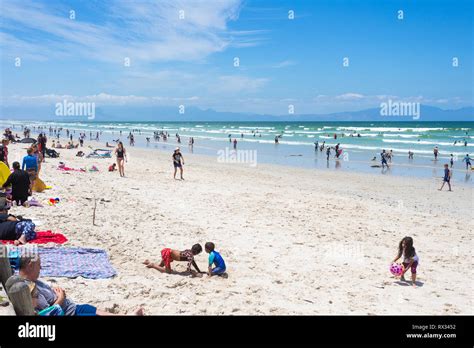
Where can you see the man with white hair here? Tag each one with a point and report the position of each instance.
(45, 296)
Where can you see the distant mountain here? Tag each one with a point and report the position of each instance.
(161, 113)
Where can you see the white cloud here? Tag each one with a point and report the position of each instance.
(99, 99)
(284, 64)
(350, 96)
(142, 30)
(236, 83)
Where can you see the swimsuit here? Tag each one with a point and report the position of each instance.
(177, 160)
(120, 154)
(216, 259)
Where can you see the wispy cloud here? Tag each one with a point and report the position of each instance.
(100, 99)
(283, 64)
(147, 31)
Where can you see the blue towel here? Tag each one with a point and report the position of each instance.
(72, 262)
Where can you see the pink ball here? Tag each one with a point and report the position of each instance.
(396, 269)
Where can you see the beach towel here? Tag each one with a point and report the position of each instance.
(75, 262)
(43, 237)
(69, 169)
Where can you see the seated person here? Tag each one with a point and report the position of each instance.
(216, 259)
(112, 167)
(45, 296)
(15, 228)
(168, 255)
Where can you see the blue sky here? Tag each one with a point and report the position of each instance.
(190, 61)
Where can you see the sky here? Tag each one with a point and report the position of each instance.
(255, 56)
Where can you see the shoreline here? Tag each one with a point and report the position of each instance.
(309, 159)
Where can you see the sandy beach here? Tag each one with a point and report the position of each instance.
(295, 241)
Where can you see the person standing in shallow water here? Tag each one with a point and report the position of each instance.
(121, 157)
(178, 162)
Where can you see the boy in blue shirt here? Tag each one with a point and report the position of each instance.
(216, 259)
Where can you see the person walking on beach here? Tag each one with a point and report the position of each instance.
(383, 157)
(467, 159)
(178, 162)
(121, 156)
(447, 177)
(435, 153)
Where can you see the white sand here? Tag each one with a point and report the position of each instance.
(295, 241)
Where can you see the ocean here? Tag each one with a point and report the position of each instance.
(360, 142)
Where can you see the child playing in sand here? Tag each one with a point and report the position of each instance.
(407, 252)
(216, 259)
(169, 255)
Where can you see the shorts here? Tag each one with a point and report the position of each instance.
(166, 257)
(218, 270)
(414, 265)
(446, 179)
(31, 174)
(85, 310)
(177, 165)
(26, 228)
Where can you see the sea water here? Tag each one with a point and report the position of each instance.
(360, 142)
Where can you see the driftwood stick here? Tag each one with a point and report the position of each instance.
(93, 215)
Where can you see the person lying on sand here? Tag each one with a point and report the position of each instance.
(169, 255)
(44, 296)
(15, 227)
